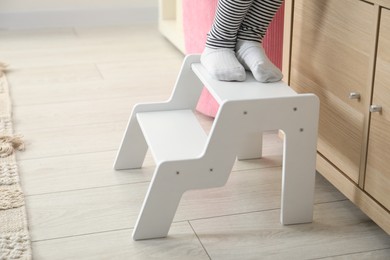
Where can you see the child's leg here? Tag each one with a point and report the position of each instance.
(219, 56)
(249, 49)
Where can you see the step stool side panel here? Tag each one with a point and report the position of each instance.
(173, 178)
(297, 116)
(133, 148)
(160, 204)
(226, 142)
(188, 87)
(299, 162)
(185, 95)
(170, 181)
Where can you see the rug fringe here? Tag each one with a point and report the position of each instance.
(14, 234)
(10, 144)
(3, 68)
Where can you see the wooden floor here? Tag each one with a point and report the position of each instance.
(73, 91)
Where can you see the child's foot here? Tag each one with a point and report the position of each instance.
(222, 63)
(251, 54)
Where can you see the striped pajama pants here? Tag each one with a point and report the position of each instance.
(241, 20)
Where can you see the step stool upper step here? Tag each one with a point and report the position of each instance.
(173, 135)
(247, 90)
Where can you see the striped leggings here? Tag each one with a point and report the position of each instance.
(241, 20)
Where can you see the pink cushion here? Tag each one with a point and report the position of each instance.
(198, 16)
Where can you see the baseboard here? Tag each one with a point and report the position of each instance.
(78, 18)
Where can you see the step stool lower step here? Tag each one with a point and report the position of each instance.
(173, 135)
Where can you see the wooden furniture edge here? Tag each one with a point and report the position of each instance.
(383, 3)
(369, 93)
(287, 38)
(360, 198)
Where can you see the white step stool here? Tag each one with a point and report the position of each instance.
(186, 158)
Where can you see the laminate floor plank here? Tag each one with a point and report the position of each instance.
(81, 212)
(52, 75)
(96, 52)
(42, 94)
(95, 169)
(78, 172)
(27, 39)
(182, 244)
(70, 140)
(338, 228)
(131, 33)
(380, 254)
(85, 211)
(163, 69)
(61, 115)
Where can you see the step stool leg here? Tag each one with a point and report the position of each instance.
(252, 147)
(299, 168)
(160, 205)
(133, 148)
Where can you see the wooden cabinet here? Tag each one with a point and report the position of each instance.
(323, 62)
(340, 50)
(377, 181)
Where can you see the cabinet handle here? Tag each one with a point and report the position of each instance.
(375, 108)
(354, 95)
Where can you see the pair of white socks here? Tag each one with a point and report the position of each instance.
(230, 65)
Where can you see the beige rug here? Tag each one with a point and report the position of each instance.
(14, 236)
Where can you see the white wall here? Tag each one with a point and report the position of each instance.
(63, 13)
(45, 5)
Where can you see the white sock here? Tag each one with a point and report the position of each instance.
(222, 63)
(252, 55)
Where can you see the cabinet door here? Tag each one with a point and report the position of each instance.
(377, 181)
(331, 43)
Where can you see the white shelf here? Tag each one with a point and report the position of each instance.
(171, 22)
